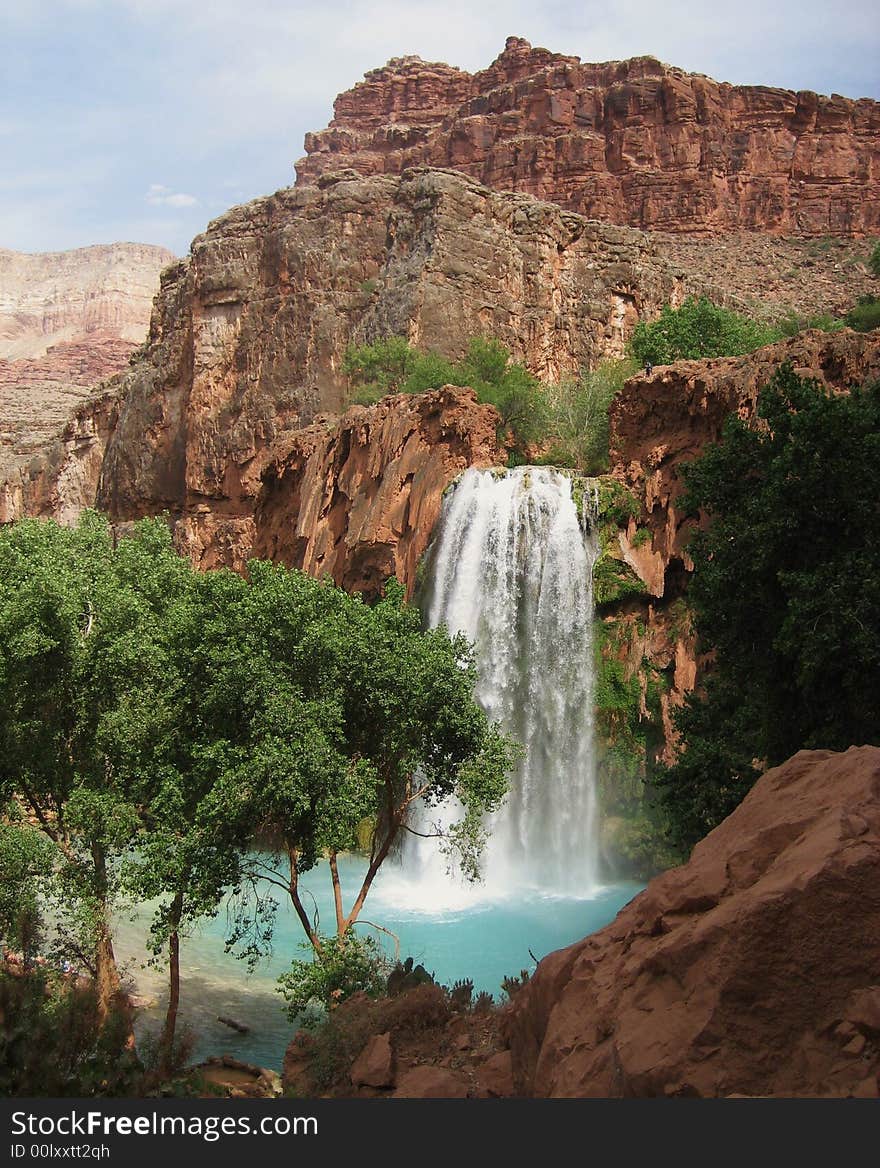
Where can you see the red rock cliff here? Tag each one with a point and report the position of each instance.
(358, 499)
(247, 335)
(754, 969)
(660, 422)
(636, 142)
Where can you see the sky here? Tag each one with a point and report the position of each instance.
(142, 120)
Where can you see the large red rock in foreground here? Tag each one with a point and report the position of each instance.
(754, 969)
(636, 142)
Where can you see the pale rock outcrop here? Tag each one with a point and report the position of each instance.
(68, 320)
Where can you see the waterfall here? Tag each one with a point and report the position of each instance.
(511, 568)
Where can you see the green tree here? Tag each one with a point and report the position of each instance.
(579, 416)
(62, 726)
(865, 315)
(697, 329)
(391, 365)
(785, 593)
(104, 740)
(351, 712)
(27, 861)
(379, 368)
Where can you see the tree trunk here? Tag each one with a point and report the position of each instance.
(166, 1041)
(107, 982)
(293, 888)
(337, 896)
(108, 985)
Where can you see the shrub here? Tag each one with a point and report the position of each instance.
(578, 416)
(52, 1044)
(345, 966)
(393, 366)
(874, 259)
(697, 329)
(791, 324)
(865, 316)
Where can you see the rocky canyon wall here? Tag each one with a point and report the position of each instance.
(635, 142)
(658, 423)
(248, 334)
(68, 320)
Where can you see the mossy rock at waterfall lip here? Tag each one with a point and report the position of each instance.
(614, 580)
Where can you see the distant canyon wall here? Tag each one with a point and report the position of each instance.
(68, 320)
(633, 142)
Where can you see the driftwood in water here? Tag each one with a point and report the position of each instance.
(233, 1025)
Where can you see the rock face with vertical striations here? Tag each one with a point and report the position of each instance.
(635, 142)
(754, 969)
(68, 320)
(357, 499)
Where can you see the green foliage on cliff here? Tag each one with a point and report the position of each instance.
(697, 329)
(865, 315)
(391, 365)
(578, 422)
(793, 323)
(628, 730)
(785, 592)
(570, 418)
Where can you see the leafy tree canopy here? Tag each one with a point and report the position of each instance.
(785, 592)
(391, 365)
(155, 720)
(697, 329)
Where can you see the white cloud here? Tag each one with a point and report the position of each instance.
(162, 196)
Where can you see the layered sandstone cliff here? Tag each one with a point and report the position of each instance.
(68, 320)
(636, 142)
(248, 334)
(751, 970)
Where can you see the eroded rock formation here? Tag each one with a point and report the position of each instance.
(247, 335)
(68, 320)
(637, 141)
(664, 420)
(751, 970)
(358, 500)
(658, 423)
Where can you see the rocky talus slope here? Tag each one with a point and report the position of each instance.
(637, 142)
(754, 969)
(68, 320)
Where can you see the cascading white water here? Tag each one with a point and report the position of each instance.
(512, 570)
